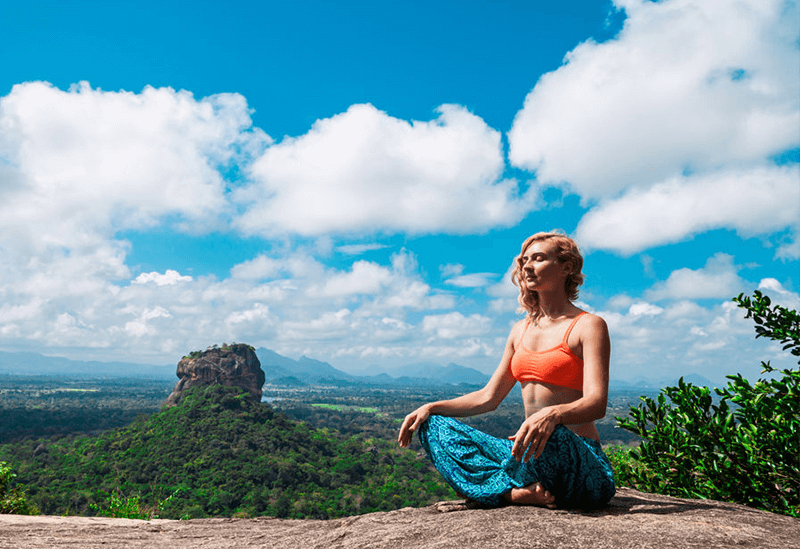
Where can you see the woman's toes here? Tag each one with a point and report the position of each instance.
(544, 495)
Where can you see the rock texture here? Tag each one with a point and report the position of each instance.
(633, 519)
(231, 365)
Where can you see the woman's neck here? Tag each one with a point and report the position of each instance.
(553, 305)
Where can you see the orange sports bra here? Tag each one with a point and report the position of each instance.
(557, 366)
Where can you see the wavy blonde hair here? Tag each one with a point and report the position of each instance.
(567, 251)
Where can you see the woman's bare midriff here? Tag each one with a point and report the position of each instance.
(537, 395)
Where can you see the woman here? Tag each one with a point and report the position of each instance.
(560, 355)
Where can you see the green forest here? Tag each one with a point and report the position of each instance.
(42, 406)
(218, 453)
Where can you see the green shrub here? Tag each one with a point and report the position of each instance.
(626, 468)
(12, 498)
(741, 444)
(130, 507)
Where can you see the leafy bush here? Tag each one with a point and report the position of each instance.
(119, 506)
(741, 444)
(12, 499)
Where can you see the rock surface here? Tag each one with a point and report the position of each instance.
(633, 519)
(233, 365)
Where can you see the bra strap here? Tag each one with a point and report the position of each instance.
(571, 326)
(518, 343)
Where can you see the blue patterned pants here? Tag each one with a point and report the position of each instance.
(481, 467)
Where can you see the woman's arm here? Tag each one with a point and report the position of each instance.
(538, 427)
(596, 346)
(471, 404)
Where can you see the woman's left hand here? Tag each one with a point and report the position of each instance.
(534, 432)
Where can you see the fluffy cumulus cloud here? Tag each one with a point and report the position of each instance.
(718, 279)
(364, 170)
(756, 200)
(683, 337)
(79, 166)
(83, 163)
(687, 87)
(455, 324)
(169, 278)
(363, 278)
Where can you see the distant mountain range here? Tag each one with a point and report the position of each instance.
(279, 369)
(36, 364)
(306, 371)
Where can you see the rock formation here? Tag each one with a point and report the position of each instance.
(233, 365)
(632, 520)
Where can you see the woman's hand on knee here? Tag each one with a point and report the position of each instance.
(411, 423)
(533, 435)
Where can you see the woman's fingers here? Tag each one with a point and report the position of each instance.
(539, 445)
(529, 442)
(529, 449)
(522, 440)
(405, 431)
(410, 424)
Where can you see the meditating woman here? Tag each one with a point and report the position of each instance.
(560, 355)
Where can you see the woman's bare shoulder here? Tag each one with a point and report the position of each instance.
(520, 325)
(517, 329)
(591, 323)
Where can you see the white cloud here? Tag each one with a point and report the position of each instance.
(451, 269)
(257, 313)
(718, 279)
(753, 201)
(363, 170)
(672, 126)
(684, 338)
(641, 308)
(79, 166)
(686, 84)
(412, 295)
(790, 250)
(358, 249)
(505, 294)
(454, 276)
(313, 308)
(142, 326)
(259, 268)
(455, 325)
(364, 278)
(86, 162)
(473, 280)
(169, 278)
(777, 292)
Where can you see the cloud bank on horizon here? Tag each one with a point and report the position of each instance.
(684, 123)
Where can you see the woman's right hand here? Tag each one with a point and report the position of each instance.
(411, 423)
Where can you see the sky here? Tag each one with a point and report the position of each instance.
(350, 181)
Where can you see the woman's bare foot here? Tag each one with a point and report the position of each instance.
(532, 494)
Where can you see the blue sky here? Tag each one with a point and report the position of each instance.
(350, 180)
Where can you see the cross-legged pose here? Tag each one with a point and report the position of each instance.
(560, 356)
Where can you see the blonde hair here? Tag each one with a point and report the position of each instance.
(567, 251)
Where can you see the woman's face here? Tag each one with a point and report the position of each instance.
(541, 270)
